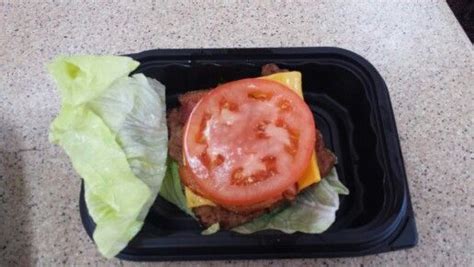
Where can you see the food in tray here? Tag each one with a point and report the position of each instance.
(245, 156)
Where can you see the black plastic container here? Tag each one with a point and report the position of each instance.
(352, 109)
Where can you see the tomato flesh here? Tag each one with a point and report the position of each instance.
(248, 141)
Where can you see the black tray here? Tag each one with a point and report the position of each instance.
(353, 111)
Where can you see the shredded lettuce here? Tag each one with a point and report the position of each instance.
(113, 128)
(313, 211)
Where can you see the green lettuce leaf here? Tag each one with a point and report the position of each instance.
(113, 128)
(172, 190)
(82, 78)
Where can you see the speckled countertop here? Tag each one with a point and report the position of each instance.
(417, 46)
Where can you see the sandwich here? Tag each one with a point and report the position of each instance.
(258, 147)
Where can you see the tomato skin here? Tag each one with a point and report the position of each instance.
(247, 142)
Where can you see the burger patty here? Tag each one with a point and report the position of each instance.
(209, 215)
(226, 217)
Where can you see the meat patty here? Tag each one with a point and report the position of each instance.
(209, 215)
(188, 101)
(177, 118)
(175, 131)
(325, 158)
(228, 217)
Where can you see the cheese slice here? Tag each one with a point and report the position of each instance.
(311, 175)
(193, 200)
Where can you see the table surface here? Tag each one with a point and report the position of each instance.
(417, 46)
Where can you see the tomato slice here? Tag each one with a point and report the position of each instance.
(248, 141)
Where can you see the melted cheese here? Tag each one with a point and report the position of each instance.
(193, 200)
(311, 175)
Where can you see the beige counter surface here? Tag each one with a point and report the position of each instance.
(417, 46)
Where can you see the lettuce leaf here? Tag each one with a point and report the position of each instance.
(113, 128)
(172, 190)
(134, 108)
(82, 78)
(313, 211)
(214, 228)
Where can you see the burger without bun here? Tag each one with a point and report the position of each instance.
(246, 147)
